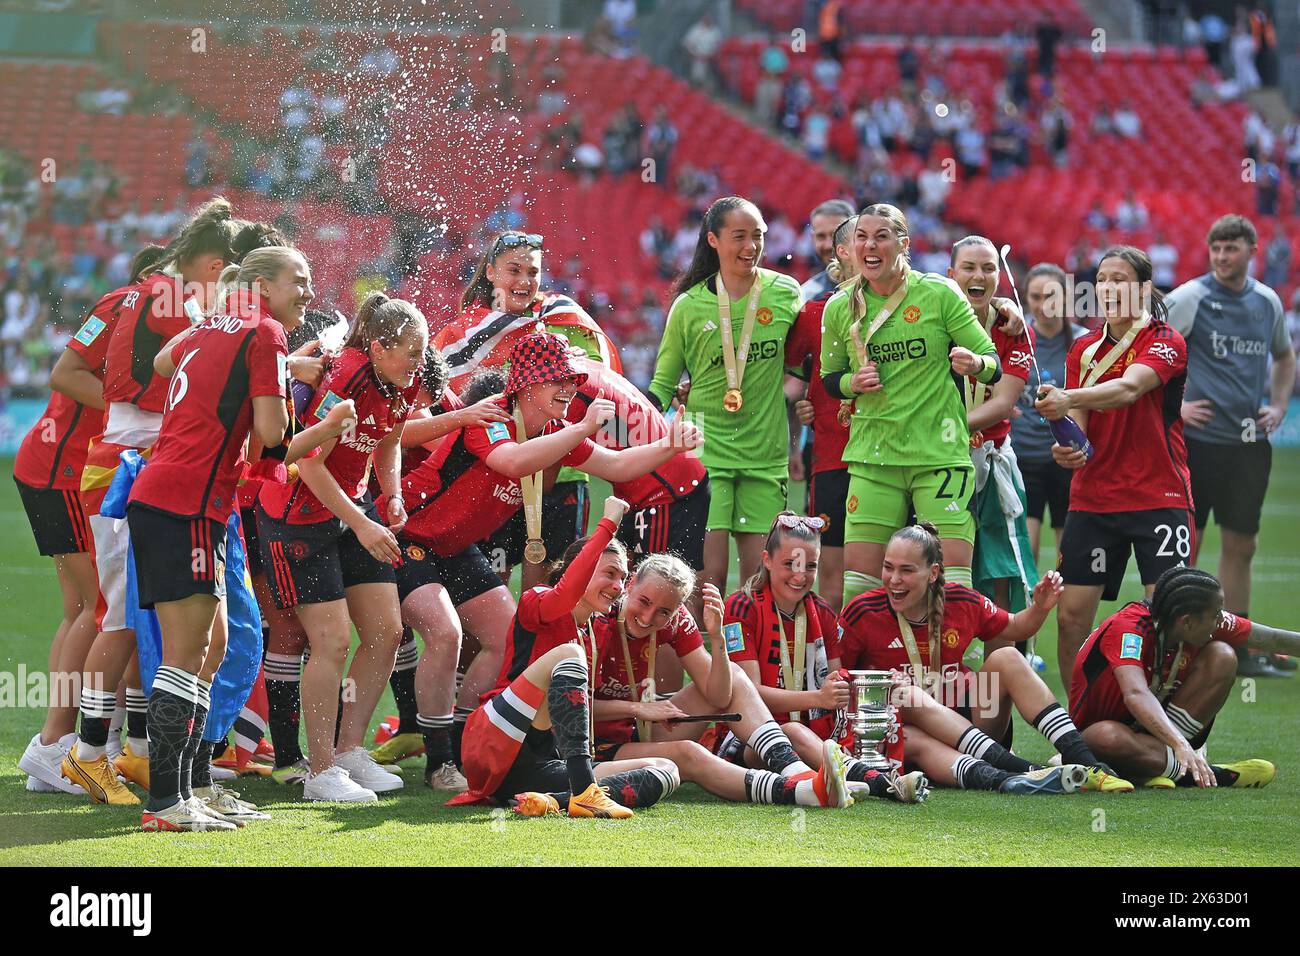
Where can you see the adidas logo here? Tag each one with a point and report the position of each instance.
(953, 506)
(710, 326)
(370, 420)
(896, 644)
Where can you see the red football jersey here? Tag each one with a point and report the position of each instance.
(873, 641)
(765, 649)
(829, 436)
(146, 322)
(220, 368)
(637, 422)
(1128, 639)
(454, 499)
(680, 633)
(529, 638)
(1139, 460)
(92, 339)
(53, 453)
(380, 408)
(1014, 353)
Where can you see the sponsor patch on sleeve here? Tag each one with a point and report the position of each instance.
(734, 635)
(281, 368)
(1130, 648)
(329, 401)
(498, 431)
(90, 331)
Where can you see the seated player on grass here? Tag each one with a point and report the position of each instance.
(1149, 682)
(782, 590)
(631, 722)
(888, 628)
(529, 744)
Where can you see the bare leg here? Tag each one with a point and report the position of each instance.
(723, 779)
(1238, 550)
(715, 558)
(955, 552)
(750, 548)
(865, 557)
(374, 609)
(1012, 680)
(1074, 618)
(1035, 536)
(329, 631)
(487, 617)
(429, 611)
(669, 674)
(830, 577)
(79, 571)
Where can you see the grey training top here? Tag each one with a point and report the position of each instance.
(1230, 336)
(817, 287)
(1031, 437)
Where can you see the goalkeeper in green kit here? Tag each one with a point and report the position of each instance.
(727, 329)
(891, 342)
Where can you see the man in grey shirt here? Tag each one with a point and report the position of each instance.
(824, 220)
(1233, 325)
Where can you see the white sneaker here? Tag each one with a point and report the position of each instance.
(41, 762)
(447, 777)
(227, 804)
(222, 773)
(336, 786)
(40, 786)
(363, 769)
(183, 815)
(1055, 761)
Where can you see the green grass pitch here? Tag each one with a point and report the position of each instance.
(1215, 828)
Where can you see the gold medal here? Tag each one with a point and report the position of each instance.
(535, 551)
(733, 400)
(735, 355)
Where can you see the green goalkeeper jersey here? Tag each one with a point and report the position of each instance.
(917, 417)
(757, 436)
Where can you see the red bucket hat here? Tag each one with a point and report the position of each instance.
(540, 357)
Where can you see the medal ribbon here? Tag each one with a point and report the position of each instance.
(792, 676)
(914, 653)
(732, 358)
(977, 393)
(530, 486)
(1091, 373)
(860, 343)
(642, 726)
(1157, 684)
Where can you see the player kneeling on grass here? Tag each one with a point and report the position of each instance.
(632, 722)
(1149, 682)
(530, 743)
(920, 625)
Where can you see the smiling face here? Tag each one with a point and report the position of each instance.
(878, 249)
(516, 277)
(650, 603)
(289, 293)
(549, 399)
(1119, 294)
(739, 241)
(607, 583)
(398, 365)
(907, 576)
(1230, 258)
(976, 273)
(792, 568)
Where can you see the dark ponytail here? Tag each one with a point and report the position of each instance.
(256, 235)
(926, 536)
(704, 262)
(144, 262)
(210, 231)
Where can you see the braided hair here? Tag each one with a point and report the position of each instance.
(1181, 591)
(926, 537)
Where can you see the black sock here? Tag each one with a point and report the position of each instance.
(171, 711)
(137, 716)
(96, 714)
(1055, 724)
(1223, 777)
(196, 738)
(973, 774)
(338, 719)
(219, 749)
(402, 681)
(437, 741)
(283, 702)
(877, 783)
(775, 750)
(639, 788)
(458, 717)
(201, 772)
(566, 698)
(983, 747)
(763, 786)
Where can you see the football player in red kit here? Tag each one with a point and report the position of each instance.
(530, 742)
(1149, 682)
(149, 314)
(47, 471)
(330, 551)
(632, 720)
(228, 376)
(1124, 389)
(471, 486)
(888, 628)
